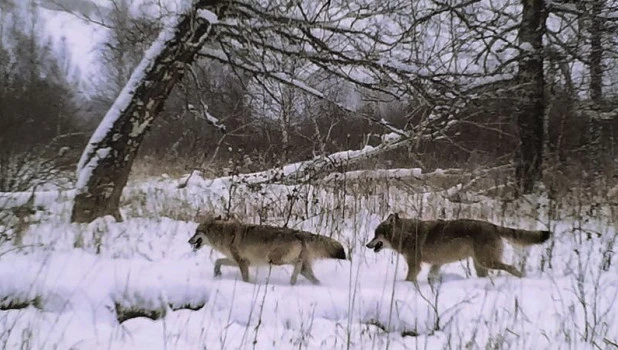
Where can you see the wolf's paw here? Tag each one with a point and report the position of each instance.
(434, 279)
(217, 272)
(413, 281)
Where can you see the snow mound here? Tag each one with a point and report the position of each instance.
(19, 293)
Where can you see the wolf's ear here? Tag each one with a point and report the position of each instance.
(393, 218)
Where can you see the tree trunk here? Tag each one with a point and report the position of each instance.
(597, 151)
(596, 51)
(531, 109)
(104, 168)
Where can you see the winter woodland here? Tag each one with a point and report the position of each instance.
(123, 124)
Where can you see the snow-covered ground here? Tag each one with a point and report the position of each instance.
(77, 280)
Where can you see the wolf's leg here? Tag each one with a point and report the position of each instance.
(480, 270)
(244, 269)
(297, 267)
(488, 255)
(223, 262)
(243, 264)
(497, 265)
(434, 273)
(414, 267)
(307, 271)
(435, 269)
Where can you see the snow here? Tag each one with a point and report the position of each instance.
(379, 174)
(85, 171)
(206, 115)
(390, 137)
(208, 16)
(298, 83)
(214, 121)
(76, 278)
(399, 66)
(526, 46)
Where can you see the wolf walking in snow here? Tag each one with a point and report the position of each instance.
(247, 244)
(441, 242)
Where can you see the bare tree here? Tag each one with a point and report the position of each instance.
(598, 25)
(37, 102)
(590, 45)
(531, 113)
(596, 77)
(128, 37)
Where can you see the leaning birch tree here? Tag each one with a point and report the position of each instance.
(103, 169)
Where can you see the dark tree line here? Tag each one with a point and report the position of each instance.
(38, 103)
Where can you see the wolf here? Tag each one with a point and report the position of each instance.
(439, 242)
(248, 244)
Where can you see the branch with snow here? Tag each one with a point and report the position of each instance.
(597, 115)
(309, 170)
(203, 112)
(404, 174)
(572, 9)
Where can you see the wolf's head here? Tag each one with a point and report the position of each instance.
(200, 238)
(384, 233)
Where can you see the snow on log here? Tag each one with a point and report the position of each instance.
(377, 174)
(101, 175)
(311, 169)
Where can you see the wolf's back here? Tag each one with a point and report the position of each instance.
(523, 237)
(324, 247)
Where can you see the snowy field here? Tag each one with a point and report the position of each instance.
(78, 286)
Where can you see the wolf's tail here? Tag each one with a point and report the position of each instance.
(322, 247)
(523, 237)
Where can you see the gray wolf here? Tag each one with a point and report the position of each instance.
(248, 244)
(439, 242)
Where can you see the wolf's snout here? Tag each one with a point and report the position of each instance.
(375, 245)
(196, 243)
(378, 246)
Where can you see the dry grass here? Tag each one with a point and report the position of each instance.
(147, 167)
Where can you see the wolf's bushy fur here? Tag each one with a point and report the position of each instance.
(249, 244)
(439, 242)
